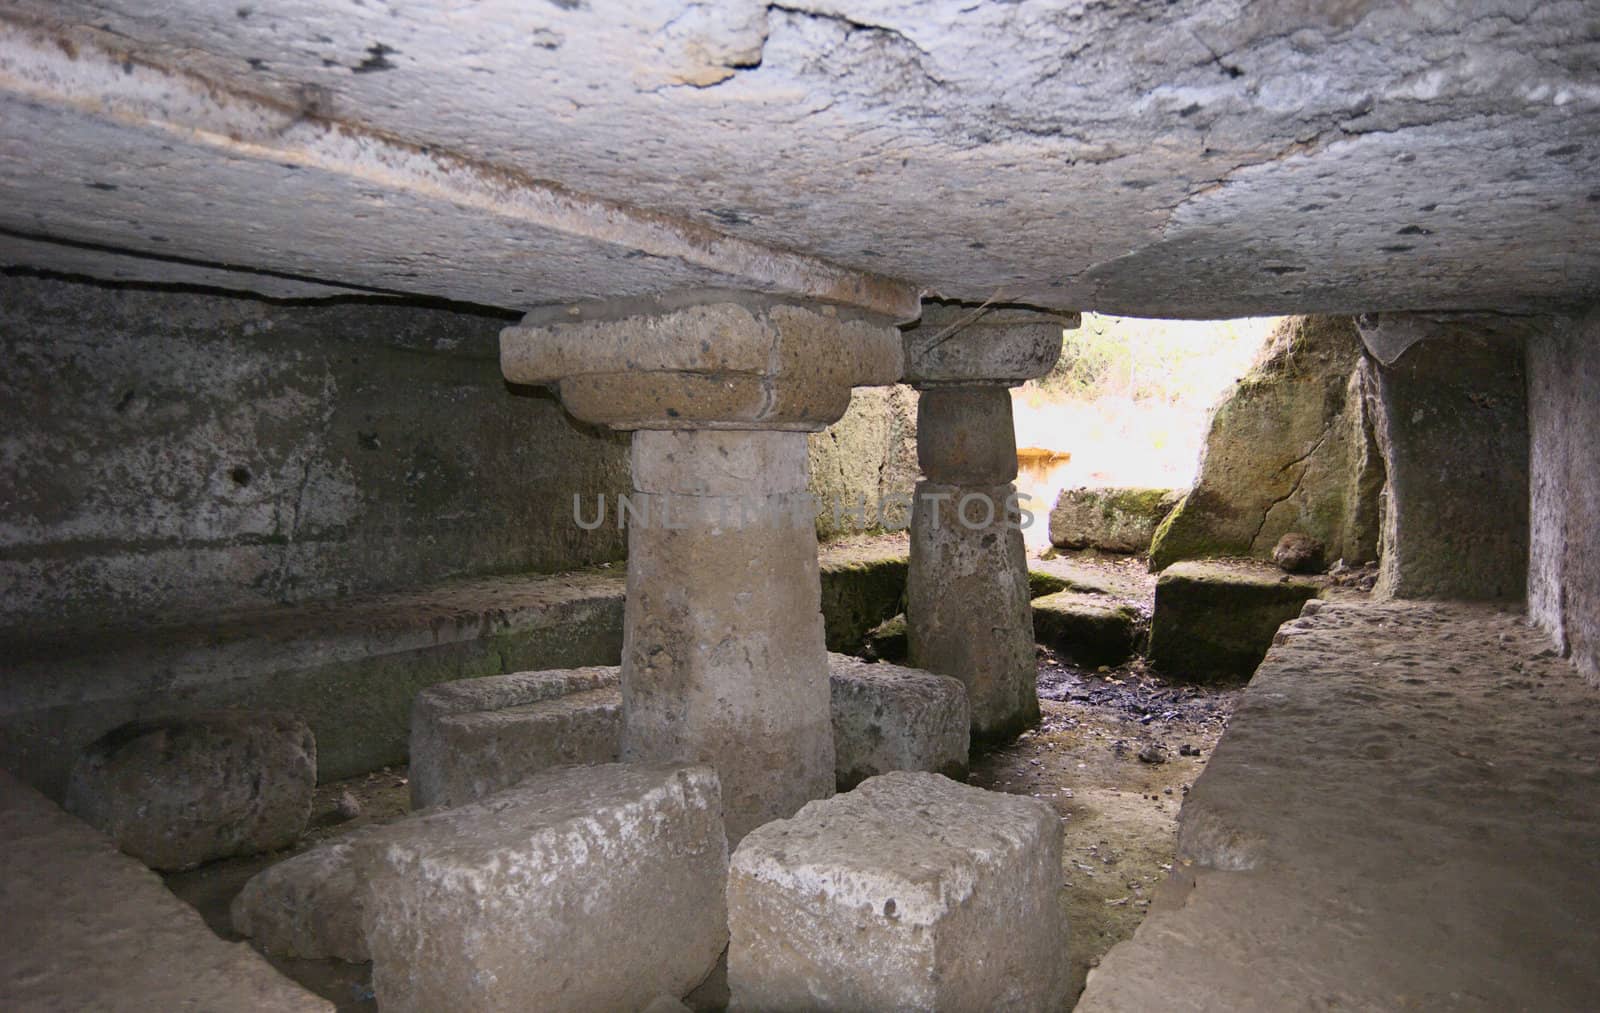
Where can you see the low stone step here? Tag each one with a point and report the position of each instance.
(1215, 619)
(889, 717)
(1088, 629)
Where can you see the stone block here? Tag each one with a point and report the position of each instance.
(1110, 519)
(177, 791)
(582, 888)
(910, 892)
(1088, 629)
(476, 736)
(1215, 620)
(887, 717)
(311, 906)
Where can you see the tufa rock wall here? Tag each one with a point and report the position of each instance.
(1290, 449)
(1564, 543)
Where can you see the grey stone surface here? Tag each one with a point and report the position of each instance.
(1290, 449)
(477, 736)
(186, 453)
(177, 791)
(1564, 446)
(1399, 815)
(965, 435)
(311, 906)
(1239, 162)
(88, 928)
(1214, 620)
(1452, 423)
(724, 659)
(888, 717)
(1088, 629)
(910, 892)
(1110, 519)
(582, 888)
(703, 360)
(967, 610)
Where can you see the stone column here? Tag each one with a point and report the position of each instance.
(967, 612)
(1450, 407)
(723, 653)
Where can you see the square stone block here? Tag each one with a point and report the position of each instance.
(582, 888)
(476, 736)
(1215, 619)
(910, 892)
(889, 717)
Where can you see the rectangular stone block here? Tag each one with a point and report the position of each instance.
(1215, 619)
(476, 736)
(582, 888)
(910, 892)
(888, 717)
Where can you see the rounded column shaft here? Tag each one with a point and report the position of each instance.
(723, 653)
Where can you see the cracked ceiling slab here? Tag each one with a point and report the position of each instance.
(1194, 159)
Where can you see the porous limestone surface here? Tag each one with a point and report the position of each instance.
(1401, 815)
(184, 789)
(910, 892)
(889, 717)
(956, 343)
(967, 610)
(965, 435)
(724, 659)
(88, 928)
(581, 888)
(473, 737)
(312, 905)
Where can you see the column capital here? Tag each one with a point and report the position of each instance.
(982, 345)
(703, 359)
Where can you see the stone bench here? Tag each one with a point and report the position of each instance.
(87, 927)
(1215, 619)
(476, 736)
(582, 888)
(910, 892)
(350, 668)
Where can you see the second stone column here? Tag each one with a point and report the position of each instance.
(967, 611)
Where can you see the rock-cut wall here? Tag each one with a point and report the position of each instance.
(167, 453)
(1289, 449)
(1564, 465)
